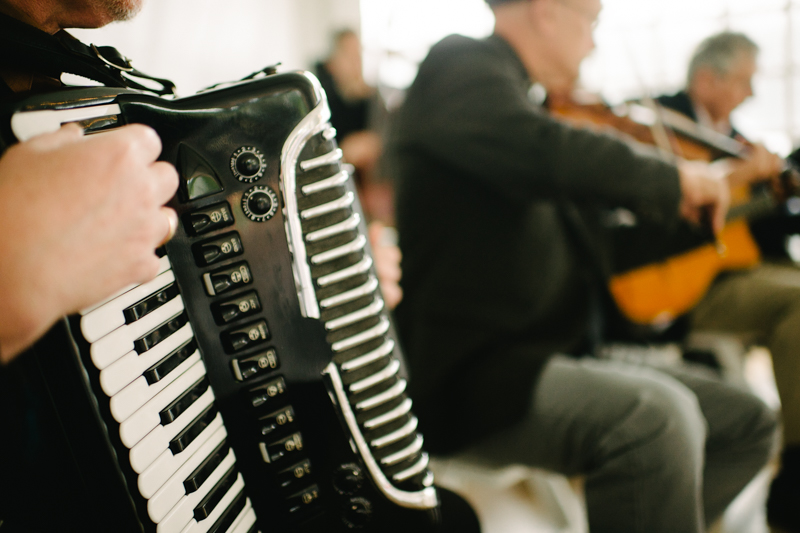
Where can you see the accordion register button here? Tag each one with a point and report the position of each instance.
(227, 279)
(279, 419)
(282, 449)
(216, 250)
(245, 336)
(246, 368)
(270, 390)
(289, 478)
(208, 219)
(303, 499)
(239, 307)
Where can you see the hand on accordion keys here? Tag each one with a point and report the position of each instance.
(80, 217)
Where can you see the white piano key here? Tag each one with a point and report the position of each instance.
(134, 396)
(173, 490)
(163, 266)
(245, 521)
(204, 525)
(109, 316)
(151, 446)
(130, 366)
(183, 513)
(120, 341)
(140, 423)
(154, 477)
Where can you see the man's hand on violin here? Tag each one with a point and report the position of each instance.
(705, 194)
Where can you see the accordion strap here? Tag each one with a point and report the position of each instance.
(24, 47)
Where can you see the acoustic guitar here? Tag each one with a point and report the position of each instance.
(657, 293)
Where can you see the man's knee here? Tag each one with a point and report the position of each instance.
(665, 427)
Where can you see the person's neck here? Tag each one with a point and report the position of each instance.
(707, 117)
(530, 47)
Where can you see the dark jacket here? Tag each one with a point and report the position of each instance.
(496, 212)
(681, 103)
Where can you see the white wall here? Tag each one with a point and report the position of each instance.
(197, 43)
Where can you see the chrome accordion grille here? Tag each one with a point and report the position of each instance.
(337, 283)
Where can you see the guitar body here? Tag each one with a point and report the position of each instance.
(659, 292)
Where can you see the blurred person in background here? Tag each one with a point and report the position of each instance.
(504, 258)
(761, 305)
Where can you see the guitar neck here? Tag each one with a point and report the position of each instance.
(760, 204)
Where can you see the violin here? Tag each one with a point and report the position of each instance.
(654, 125)
(656, 294)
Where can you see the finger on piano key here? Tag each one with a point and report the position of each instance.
(137, 394)
(196, 470)
(109, 316)
(158, 473)
(245, 521)
(140, 423)
(121, 341)
(176, 436)
(224, 513)
(130, 366)
(183, 513)
(163, 266)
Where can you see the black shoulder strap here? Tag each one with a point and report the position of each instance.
(24, 46)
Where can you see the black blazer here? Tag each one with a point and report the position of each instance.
(496, 207)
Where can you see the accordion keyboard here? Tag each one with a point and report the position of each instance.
(150, 368)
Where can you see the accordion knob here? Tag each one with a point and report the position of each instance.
(260, 203)
(247, 164)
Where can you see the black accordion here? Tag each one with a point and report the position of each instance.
(255, 384)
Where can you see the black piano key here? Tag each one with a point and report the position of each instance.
(147, 305)
(185, 437)
(183, 402)
(225, 521)
(201, 473)
(159, 334)
(158, 371)
(207, 505)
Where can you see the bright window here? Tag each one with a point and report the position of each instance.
(643, 47)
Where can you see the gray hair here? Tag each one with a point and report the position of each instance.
(719, 52)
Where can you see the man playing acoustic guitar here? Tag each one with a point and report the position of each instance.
(760, 303)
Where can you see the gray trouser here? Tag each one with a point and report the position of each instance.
(762, 305)
(662, 450)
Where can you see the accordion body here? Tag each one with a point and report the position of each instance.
(255, 384)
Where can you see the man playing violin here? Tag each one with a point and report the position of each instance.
(760, 304)
(500, 213)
